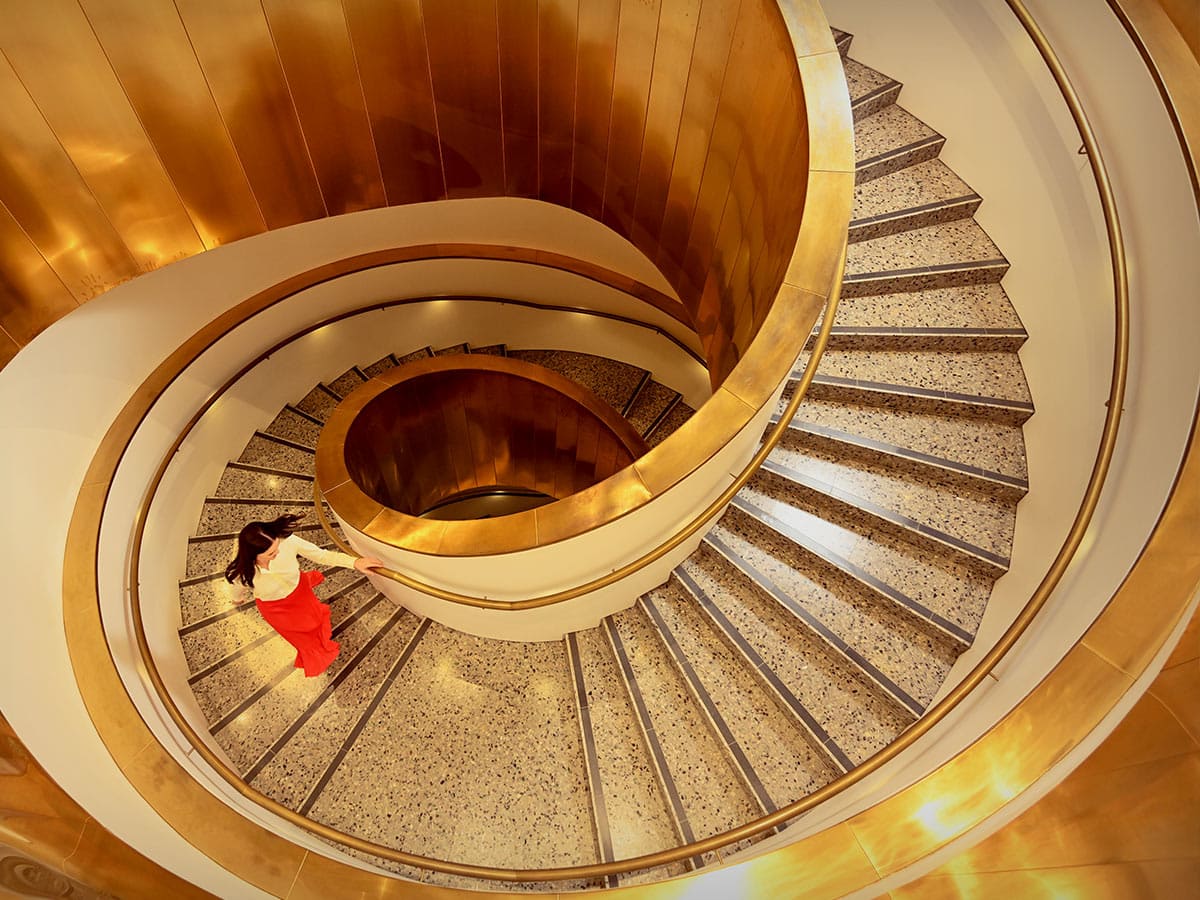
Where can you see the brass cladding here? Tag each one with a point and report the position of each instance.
(433, 429)
(136, 134)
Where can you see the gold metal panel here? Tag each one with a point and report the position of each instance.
(353, 505)
(313, 45)
(829, 864)
(677, 25)
(55, 53)
(556, 521)
(566, 438)
(1151, 730)
(468, 539)
(44, 193)
(31, 294)
(518, 29)
(8, 349)
(1002, 764)
(1188, 647)
(719, 26)
(827, 206)
(520, 433)
(637, 31)
(545, 425)
(701, 436)
(1121, 881)
(321, 878)
(458, 441)
(558, 43)
(463, 46)
(237, 53)
(389, 45)
(102, 861)
(166, 87)
(807, 27)
(1178, 688)
(418, 535)
(827, 102)
(792, 318)
(593, 103)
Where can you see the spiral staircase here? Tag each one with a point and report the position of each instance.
(817, 620)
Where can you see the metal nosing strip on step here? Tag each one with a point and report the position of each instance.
(637, 392)
(287, 442)
(599, 806)
(821, 738)
(924, 331)
(907, 453)
(302, 414)
(971, 552)
(322, 386)
(904, 390)
(265, 470)
(880, 91)
(834, 640)
(215, 617)
(360, 373)
(745, 768)
(960, 634)
(936, 269)
(662, 416)
(382, 690)
(292, 730)
(658, 758)
(236, 654)
(921, 144)
(259, 501)
(965, 200)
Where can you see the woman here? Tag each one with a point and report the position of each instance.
(266, 563)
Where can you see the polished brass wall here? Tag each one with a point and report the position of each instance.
(137, 132)
(430, 430)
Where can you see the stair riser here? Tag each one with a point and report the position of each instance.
(901, 341)
(937, 406)
(243, 484)
(860, 109)
(229, 517)
(910, 220)
(273, 454)
(905, 282)
(318, 403)
(899, 159)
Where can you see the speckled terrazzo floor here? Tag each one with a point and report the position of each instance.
(814, 624)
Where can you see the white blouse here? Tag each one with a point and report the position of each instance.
(281, 578)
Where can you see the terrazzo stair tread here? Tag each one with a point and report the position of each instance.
(855, 715)
(296, 426)
(889, 140)
(668, 423)
(255, 729)
(273, 452)
(421, 775)
(638, 815)
(652, 401)
(913, 657)
(228, 516)
(978, 519)
(841, 40)
(870, 90)
(952, 590)
(453, 350)
(214, 597)
(953, 340)
(223, 640)
(988, 446)
(610, 380)
(240, 481)
(940, 255)
(319, 402)
(346, 383)
(909, 198)
(805, 436)
(845, 506)
(420, 353)
(713, 796)
(381, 365)
(781, 758)
(491, 350)
(637, 393)
(208, 555)
(288, 769)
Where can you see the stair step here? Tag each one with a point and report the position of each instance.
(845, 445)
(230, 516)
(491, 350)
(243, 481)
(635, 811)
(381, 365)
(969, 443)
(779, 760)
(249, 730)
(917, 399)
(297, 426)
(870, 91)
(707, 795)
(914, 197)
(272, 452)
(319, 402)
(453, 350)
(421, 776)
(610, 380)
(419, 353)
(346, 383)
(890, 140)
(208, 555)
(841, 40)
(849, 714)
(668, 422)
(943, 255)
(799, 488)
(652, 402)
(957, 340)
(983, 307)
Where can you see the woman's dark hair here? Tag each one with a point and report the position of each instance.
(254, 539)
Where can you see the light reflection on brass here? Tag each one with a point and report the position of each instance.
(33, 297)
(558, 71)
(517, 23)
(594, 98)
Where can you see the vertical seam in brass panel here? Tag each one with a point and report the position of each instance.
(4, 331)
(78, 842)
(637, 172)
(45, 262)
(296, 877)
(133, 263)
(142, 125)
(362, 91)
(612, 102)
(295, 109)
(221, 115)
(574, 115)
(437, 128)
(500, 103)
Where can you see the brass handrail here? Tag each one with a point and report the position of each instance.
(934, 715)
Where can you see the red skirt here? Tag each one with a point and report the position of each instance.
(303, 621)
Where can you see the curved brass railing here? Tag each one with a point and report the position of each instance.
(90, 508)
